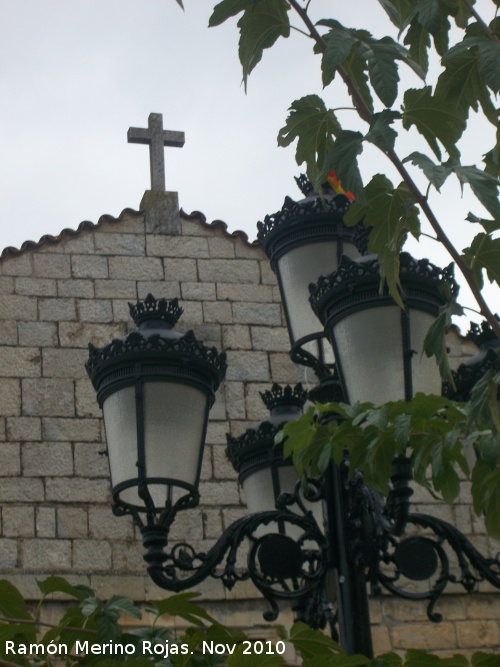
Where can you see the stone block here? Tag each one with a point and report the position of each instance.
(284, 371)
(15, 490)
(45, 522)
(161, 212)
(8, 332)
(51, 266)
(57, 309)
(46, 555)
(166, 289)
(18, 521)
(128, 556)
(223, 468)
(120, 244)
(10, 460)
(82, 243)
(61, 363)
(10, 397)
(42, 459)
(8, 554)
(216, 432)
(75, 490)
(248, 250)
(183, 269)
(478, 634)
(95, 310)
(192, 316)
(230, 270)
(135, 268)
(83, 289)
(274, 339)
(479, 607)
(107, 585)
(80, 334)
(235, 400)
(219, 493)
(222, 247)
(257, 313)
(427, 636)
(104, 525)
(72, 522)
(15, 307)
(116, 289)
(187, 527)
(121, 313)
(24, 428)
(198, 291)
(243, 292)
(90, 460)
(129, 222)
(266, 273)
(85, 399)
(65, 429)
(208, 334)
(89, 266)
(18, 266)
(207, 471)
(37, 334)
(194, 227)
(48, 396)
(212, 524)
(176, 246)
(217, 311)
(36, 286)
(255, 408)
(6, 285)
(247, 366)
(20, 361)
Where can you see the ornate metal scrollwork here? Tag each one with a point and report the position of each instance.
(286, 554)
(421, 565)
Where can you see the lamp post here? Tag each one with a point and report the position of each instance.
(156, 386)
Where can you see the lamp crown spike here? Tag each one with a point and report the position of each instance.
(150, 309)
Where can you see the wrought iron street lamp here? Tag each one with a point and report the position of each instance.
(156, 387)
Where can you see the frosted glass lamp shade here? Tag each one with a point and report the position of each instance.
(155, 387)
(378, 346)
(304, 240)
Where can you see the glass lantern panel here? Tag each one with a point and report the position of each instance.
(298, 268)
(425, 371)
(174, 424)
(370, 352)
(121, 436)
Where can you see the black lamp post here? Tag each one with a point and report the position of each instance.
(156, 387)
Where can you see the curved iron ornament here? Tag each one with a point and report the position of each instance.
(296, 577)
(429, 561)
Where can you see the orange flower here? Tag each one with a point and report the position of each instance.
(336, 185)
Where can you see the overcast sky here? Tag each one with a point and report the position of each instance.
(75, 75)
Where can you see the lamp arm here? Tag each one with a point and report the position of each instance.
(293, 578)
(424, 556)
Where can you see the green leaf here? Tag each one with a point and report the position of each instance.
(381, 133)
(392, 214)
(381, 56)
(435, 119)
(311, 643)
(314, 126)
(240, 659)
(339, 42)
(397, 10)
(492, 159)
(418, 41)
(61, 585)
(435, 339)
(435, 173)
(462, 85)
(488, 53)
(12, 603)
(491, 508)
(431, 16)
(182, 605)
(481, 659)
(262, 24)
(482, 408)
(120, 603)
(357, 72)
(484, 186)
(343, 159)
(226, 9)
(484, 253)
(179, 2)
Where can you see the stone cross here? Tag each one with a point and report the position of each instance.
(157, 138)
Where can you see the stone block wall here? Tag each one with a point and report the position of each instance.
(58, 295)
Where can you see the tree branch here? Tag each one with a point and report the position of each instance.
(484, 26)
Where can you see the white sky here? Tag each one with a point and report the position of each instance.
(75, 75)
